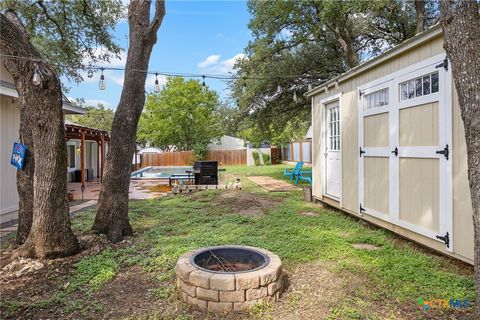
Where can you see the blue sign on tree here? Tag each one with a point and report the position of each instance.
(18, 155)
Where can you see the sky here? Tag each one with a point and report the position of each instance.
(200, 37)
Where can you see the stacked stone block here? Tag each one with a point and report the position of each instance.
(227, 292)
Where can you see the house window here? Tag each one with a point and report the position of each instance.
(334, 129)
(418, 87)
(376, 99)
(71, 156)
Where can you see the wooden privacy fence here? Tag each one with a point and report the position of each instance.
(297, 151)
(185, 158)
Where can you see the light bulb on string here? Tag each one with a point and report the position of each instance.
(295, 99)
(101, 84)
(244, 87)
(279, 89)
(156, 88)
(204, 86)
(309, 87)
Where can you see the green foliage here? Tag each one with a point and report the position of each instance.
(92, 272)
(393, 276)
(297, 43)
(70, 34)
(266, 159)
(256, 157)
(181, 116)
(97, 117)
(200, 150)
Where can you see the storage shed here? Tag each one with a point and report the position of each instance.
(389, 146)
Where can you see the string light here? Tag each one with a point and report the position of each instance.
(244, 87)
(295, 96)
(156, 88)
(204, 86)
(91, 69)
(309, 87)
(279, 89)
(101, 84)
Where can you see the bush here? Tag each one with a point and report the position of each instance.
(266, 159)
(199, 152)
(256, 157)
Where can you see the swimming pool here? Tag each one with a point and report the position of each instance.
(158, 172)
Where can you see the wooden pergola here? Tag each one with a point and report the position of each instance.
(73, 131)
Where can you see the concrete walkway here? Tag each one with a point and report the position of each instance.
(73, 209)
(273, 185)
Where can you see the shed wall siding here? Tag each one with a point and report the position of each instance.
(462, 210)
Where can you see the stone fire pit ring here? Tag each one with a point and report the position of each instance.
(229, 290)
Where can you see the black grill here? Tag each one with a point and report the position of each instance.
(206, 172)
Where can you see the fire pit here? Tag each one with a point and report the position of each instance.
(229, 278)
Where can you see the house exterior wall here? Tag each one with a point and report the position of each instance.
(9, 124)
(348, 99)
(227, 143)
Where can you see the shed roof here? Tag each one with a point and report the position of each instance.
(416, 40)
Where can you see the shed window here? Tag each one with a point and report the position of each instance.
(376, 99)
(418, 87)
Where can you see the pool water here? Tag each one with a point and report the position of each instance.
(159, 172)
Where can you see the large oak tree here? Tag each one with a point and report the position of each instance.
(460, 20)
(33, 32)
(112, 213)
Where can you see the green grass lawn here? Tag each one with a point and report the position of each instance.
(373, 284)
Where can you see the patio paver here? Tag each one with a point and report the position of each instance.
(273, 185)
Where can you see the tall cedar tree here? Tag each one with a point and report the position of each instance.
(460, 20)
(112, 213)
(67, 43)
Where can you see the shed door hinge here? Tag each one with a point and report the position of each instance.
(362, 209)
(445, 239)
(395, 151)
(444, 64)
(360, 93)
(361, 151)
(445, 152)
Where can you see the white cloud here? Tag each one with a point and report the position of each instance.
(96, 102)
(213, 59)
(213, 65)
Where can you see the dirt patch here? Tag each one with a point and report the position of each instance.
(364, 246)
(309, 214)
(312, 292)
(246, 203)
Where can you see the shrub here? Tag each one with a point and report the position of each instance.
(199, 152)
(256, 157)
(266, 159)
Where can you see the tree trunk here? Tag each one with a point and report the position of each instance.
(112, 212)
(25, 179)
(461, 26)
(41, 112)
(420, 13)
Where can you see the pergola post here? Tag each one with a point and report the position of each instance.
(82, 155)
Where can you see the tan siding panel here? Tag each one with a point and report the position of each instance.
(376, 130)
(376, 183)
(419, 125)
(462, 202)
(349, 131)
(419, 192)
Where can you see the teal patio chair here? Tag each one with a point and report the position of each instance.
(305, 176)
(293, 174)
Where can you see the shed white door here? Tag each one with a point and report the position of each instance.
(333, 163)
(405, 141)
